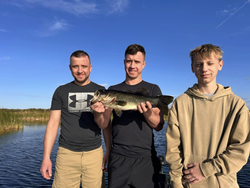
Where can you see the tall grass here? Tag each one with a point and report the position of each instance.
(9, 120)
(15, 118)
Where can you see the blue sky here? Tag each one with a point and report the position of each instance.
(38, 36)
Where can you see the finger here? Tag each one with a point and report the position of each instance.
(190, 165)
(50, 173)
(148, 104)
(186, 171)
(139, 108)
(193, 182)
(144, 109)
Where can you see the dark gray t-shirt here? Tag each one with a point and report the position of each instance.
(79, 132)
(131, 135)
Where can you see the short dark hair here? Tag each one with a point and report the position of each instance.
(134, 48)
(80, 53)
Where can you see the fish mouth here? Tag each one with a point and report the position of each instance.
(96, 97)
(108, 100)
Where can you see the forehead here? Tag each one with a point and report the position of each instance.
(138, 56)
(79, 60)
(209, 57)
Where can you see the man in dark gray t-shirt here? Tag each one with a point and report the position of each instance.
(80, 153)
(133, 161)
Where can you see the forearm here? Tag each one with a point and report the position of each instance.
(174, 154)
(101, 114)
(49, 140)
(51, 132)
(101, 120)
(107, 134)
(237, 152)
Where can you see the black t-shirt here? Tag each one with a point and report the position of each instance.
(131, 135)
(79, 132)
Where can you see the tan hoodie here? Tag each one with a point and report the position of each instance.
(212, 131)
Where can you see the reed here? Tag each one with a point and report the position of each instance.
(9, 120)
(15, 118)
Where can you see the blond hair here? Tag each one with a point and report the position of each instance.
(205, 51)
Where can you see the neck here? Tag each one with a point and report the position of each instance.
(82, 84)
(207, 89)
(133, 81)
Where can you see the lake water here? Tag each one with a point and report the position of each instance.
(21, 156)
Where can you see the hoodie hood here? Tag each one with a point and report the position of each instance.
(221, 92)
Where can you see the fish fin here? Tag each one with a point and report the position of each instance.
(164, 101)
(142, 91)
(120, 103)
(139, 91)
(128, 91)
(118, 112)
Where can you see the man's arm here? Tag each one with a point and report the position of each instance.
(107, 134)
(101, 114)
(174, 151)
(49, 140)
(153, 116)
(237, 153)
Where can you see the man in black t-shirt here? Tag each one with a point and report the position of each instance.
(80, 153)
(132, 160)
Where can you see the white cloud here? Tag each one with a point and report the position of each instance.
(104, 85)
(52, 28)
(4, 58)
(76, 7)
(58, 25)
(3, 30)
(118, 5)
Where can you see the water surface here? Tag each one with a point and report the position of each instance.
(21, 156)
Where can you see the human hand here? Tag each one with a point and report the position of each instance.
(105, 162)
(193, 174)
(46, 169)
(98, 107)
(145, 109)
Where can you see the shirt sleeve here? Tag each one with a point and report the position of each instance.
(237, 152)
(56, 103)
(174, 149)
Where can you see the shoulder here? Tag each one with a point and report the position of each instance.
(117, 86)
(152, 88)
(94, 85)
(64, 87)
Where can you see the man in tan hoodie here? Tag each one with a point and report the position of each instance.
(208, 133)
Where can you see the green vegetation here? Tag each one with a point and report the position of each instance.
(165, 117)
(14, 119)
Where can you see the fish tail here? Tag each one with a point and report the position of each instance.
(164, 101)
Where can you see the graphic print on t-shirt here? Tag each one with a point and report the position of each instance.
(79, 102)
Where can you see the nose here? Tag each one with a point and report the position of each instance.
(132, 64)
(204, 67)
(80, 69)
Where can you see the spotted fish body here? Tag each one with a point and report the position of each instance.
(120, 100)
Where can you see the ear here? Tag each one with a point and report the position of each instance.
(220, 65)
(144, 64)
(70, 67)
(90, 68)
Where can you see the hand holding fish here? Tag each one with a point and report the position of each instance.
(147, 109)
(98, 107)
(100, 114)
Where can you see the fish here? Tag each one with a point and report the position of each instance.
(127, 100)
